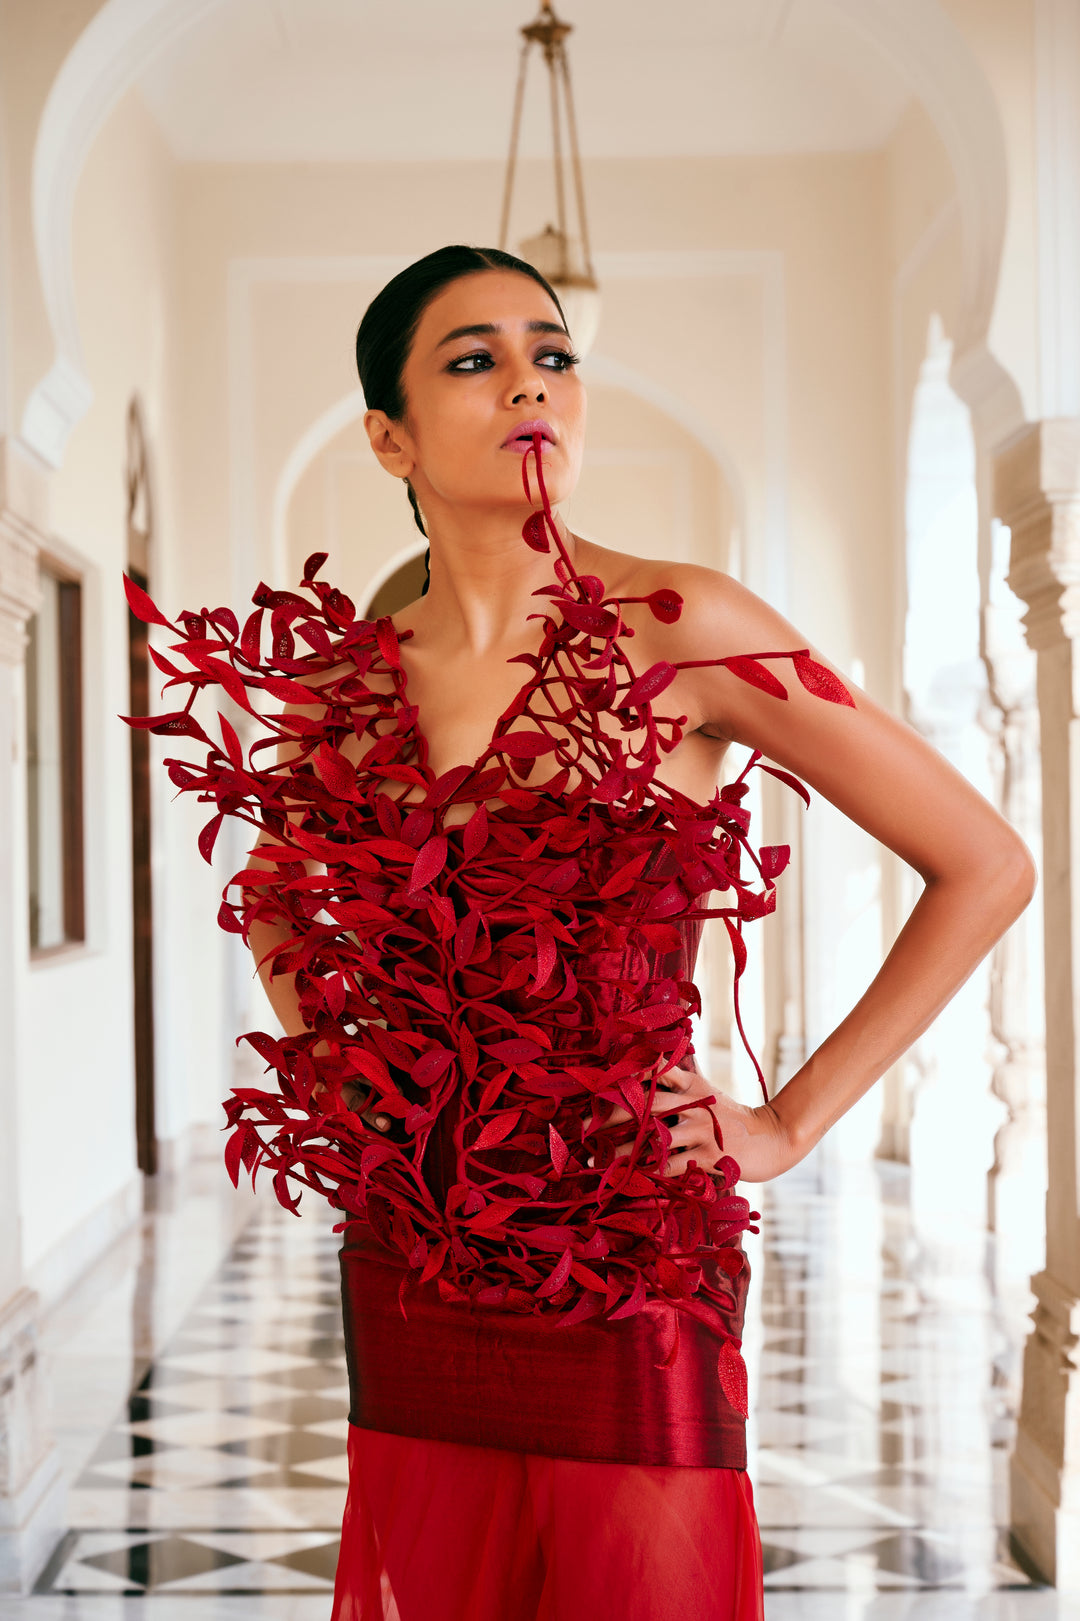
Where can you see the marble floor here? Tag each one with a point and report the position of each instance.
(202, 1397)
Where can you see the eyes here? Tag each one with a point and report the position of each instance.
(479, 360)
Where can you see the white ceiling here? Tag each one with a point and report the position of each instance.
(348, 80)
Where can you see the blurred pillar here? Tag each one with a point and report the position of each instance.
(1037, 493)
(32, 1491)
(1016, 1186)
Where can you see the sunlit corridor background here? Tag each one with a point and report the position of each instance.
(837, 246)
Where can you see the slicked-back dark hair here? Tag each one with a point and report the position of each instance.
(390, 321)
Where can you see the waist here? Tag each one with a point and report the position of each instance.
(601, 1390)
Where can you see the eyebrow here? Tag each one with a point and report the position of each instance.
(491, 329)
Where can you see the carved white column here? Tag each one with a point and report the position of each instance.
(1016, 1186)
(32, 1493)
(1037, 493)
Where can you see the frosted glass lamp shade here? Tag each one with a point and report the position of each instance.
(581, 306)
(560, 261)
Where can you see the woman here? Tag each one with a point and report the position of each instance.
(487, 843)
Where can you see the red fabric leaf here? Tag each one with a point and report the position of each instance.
(556, 1277)
(597, 621)
(774, 858)
(496, 1213)
(336, 771)
(232, 743)
(755, 674)
(288, 692)
(516, 1051)
(429, 862)
(497, 1129)
(142, 606)
(634, 1304)
(666, 605)
(525, 745)
(534, 532)
(650, 685)
(820, 680)
(208, 836)
(732, 1371)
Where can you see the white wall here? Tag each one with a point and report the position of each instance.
(76, 1106)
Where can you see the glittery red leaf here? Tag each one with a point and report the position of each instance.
(749, 670)
(732, 1371)
(535, 534)
(497, 1129)
(557, 1276)
(666, 605)
(820, 680)
(429, 862)
(558, 1150)
(141, 605)
(526, 745)
(650, 685)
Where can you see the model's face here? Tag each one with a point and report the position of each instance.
(490, 360)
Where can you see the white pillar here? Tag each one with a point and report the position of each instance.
(1037, 493)
(32, 1491)
(1016, 1186)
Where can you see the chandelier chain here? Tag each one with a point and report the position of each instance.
(575, 155)
(515, 133)
(556, 141)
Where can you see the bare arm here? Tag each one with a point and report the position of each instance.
(978, 875)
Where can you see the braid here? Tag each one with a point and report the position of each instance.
(414, 503)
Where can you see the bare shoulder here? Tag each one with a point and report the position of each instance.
(719, 615)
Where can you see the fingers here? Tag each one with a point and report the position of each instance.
(665, 1100)
(354, 1098)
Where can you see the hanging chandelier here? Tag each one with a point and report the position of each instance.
(563, 258)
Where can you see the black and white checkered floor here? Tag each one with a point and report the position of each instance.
(879, 1440)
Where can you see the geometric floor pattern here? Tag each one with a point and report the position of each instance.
(882, 1378)
(882, 1416)
(226, 1471)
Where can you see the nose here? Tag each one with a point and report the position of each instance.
(526, 386)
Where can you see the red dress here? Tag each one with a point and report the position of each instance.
(547, 1398)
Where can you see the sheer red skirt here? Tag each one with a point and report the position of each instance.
(441, 1531)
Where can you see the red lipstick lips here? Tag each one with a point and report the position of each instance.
(520, 438)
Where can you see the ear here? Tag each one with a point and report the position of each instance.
(390, 442)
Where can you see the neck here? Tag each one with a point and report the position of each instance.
(482, 578)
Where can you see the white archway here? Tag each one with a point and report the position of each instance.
(126, 35)
(597, 368)
(314, 438)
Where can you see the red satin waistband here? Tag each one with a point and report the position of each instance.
(454, 1372)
